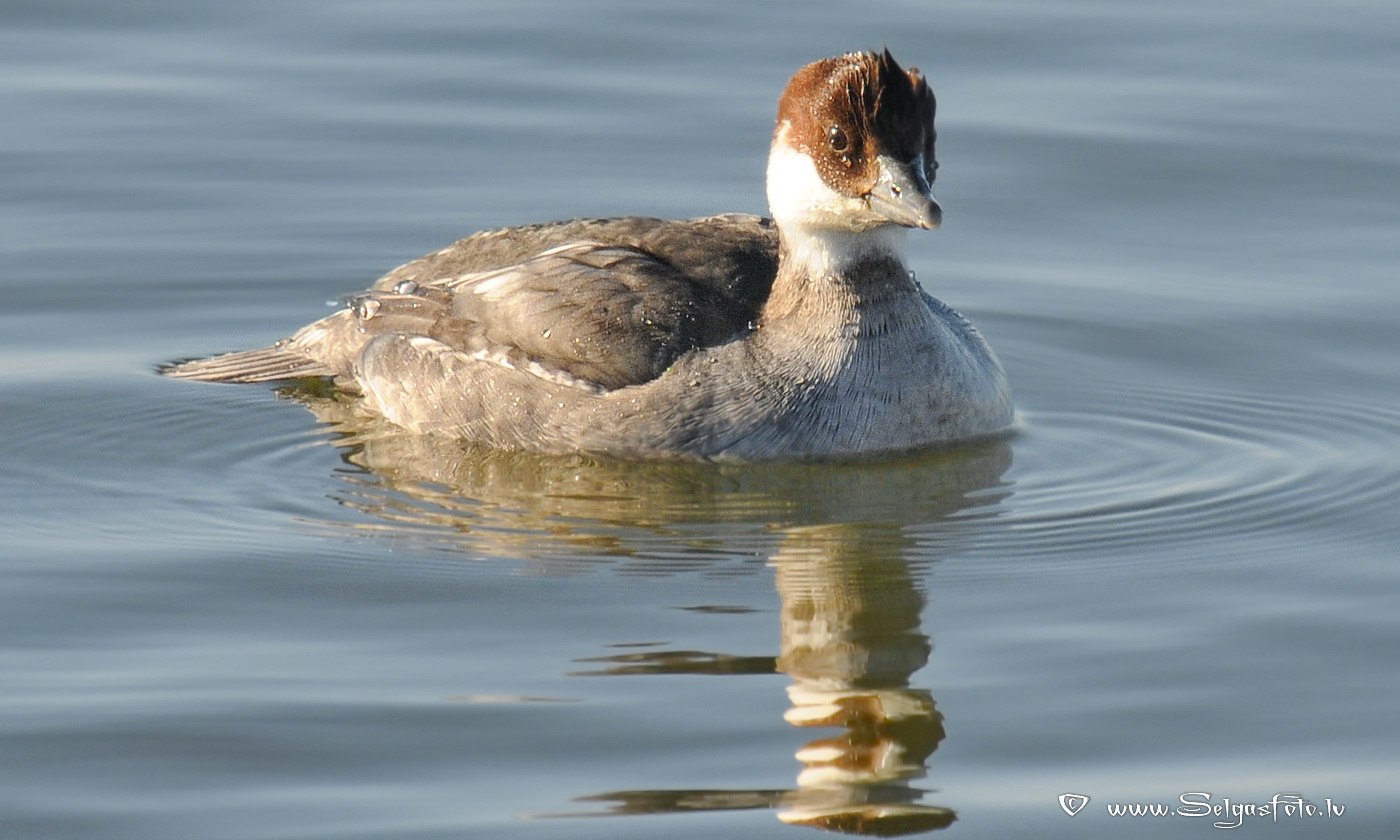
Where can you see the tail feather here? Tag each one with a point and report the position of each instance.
(267, 364)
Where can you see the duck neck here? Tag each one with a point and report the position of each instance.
(838, 274)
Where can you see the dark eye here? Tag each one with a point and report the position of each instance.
(837, 138)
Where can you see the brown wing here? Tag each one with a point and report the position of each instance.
(612, 311)
(735, 255)
(596, 315)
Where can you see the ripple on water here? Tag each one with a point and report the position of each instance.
(1199, 469)
(1134, 468)
(154, 467)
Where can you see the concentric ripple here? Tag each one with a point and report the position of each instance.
(1137, 475)
(1206, 473)
(153, 467)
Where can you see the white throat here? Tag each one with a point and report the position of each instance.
(820, 252)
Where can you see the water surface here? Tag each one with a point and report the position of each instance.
(238, 613)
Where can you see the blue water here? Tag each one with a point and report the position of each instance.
(228, 613)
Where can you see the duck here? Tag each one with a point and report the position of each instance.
(803, 335)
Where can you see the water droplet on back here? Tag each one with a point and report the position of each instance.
(367, 308)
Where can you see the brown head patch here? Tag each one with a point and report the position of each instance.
(843, 112)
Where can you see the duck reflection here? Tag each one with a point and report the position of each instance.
(840, 540)
(850, 640)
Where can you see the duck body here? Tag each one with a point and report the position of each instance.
(733, 337)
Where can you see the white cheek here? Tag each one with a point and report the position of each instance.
(798, 197)
(825, 232)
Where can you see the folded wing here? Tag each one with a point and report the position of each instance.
(590, 314)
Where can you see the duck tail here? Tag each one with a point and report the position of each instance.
(267, 364)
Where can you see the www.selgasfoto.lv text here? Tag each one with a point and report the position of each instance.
(1228, 813)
